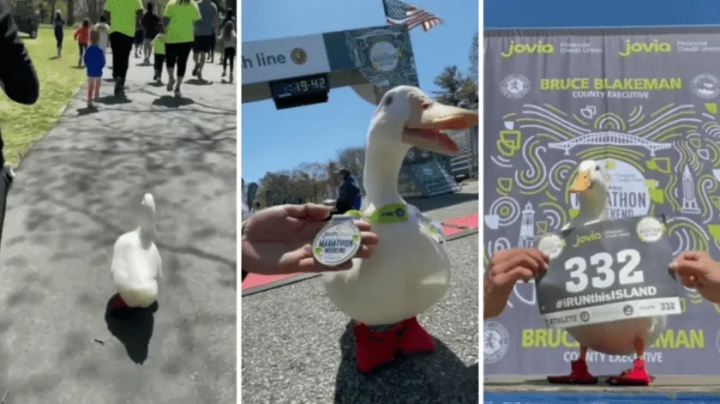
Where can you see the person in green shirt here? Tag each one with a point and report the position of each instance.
(123, 15)
(179, 17)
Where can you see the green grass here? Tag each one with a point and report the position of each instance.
(23, 125)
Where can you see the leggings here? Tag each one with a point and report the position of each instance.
(229, 55)
(82, 47)
(178, 53)
(59, 38)
(121, 48)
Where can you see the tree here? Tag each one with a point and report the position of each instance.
(450, 83)
(473, 56)
(352, 158)
(70, 19)
(457, 88)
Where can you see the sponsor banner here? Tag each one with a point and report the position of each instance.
(276, 59)
(643, 106)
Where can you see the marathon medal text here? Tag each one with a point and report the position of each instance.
(338, 242)
(607, 271)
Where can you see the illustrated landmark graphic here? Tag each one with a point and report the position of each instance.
(527, 227)
(689, 203)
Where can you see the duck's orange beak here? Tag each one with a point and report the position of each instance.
(582, 183)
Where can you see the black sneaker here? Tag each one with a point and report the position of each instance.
(195, 71)
(119, 88)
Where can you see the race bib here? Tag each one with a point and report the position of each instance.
(607, 271)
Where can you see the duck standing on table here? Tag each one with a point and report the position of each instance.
(410, 269)
(622, 337)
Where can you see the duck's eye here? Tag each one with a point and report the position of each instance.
(388, 100)
(597, 168)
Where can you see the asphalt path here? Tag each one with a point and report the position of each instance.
(297, 348)
(75, 193)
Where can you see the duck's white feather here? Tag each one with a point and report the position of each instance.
(136, 264)
(407, 274)
(410, 270)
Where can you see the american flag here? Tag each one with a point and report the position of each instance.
(397, 12)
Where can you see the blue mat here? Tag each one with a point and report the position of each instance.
(598, 398)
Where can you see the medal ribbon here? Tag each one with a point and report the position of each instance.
(392, 213)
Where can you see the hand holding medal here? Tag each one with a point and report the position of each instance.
(280, 240)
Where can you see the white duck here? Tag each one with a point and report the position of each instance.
(410, 269)
(136, 263)
(622, 337)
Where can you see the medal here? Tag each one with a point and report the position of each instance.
(338, 242)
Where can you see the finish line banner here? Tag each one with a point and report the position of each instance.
(643, 106)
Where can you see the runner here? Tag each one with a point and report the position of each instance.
(150, 23)
(81, 36)
(104, 30)
(204, 33)
(123, 15)
(58, 26)
(229, 41)
(138, 40)
(158, 45)
(179, 17)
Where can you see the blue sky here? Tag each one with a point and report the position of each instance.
(574, 13)
(280, 140)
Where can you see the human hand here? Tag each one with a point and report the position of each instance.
(505, 269)
(698, 271)
(278, 240)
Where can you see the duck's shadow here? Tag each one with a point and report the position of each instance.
(440, 377)
(133, 327)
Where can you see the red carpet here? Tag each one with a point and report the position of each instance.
(451, 227)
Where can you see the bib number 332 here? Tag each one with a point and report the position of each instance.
(604, 265)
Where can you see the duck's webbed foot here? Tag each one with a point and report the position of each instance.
(636, 375)
(118, 303)
(374, 349)
(414, 338)
(579, 374)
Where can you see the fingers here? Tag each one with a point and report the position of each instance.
(689, 281)
(534, 253)
(369, 238)
(365, 252)
(527, 259)
(520, 273)
(686, 268)
(309, 264)
(307, 211)
(692, 256)
(363, 226)
(509, 266)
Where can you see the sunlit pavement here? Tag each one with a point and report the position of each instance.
(297, 348)
(72, 198)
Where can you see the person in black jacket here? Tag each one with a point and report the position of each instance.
(348, 192)
(19, 81)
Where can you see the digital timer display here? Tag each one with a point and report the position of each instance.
(300, 91)
(300, 86)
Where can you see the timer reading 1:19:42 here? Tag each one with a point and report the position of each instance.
(306, 85)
